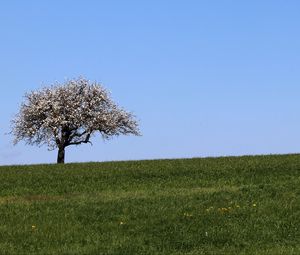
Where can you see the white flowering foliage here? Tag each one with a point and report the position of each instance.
(70, 114)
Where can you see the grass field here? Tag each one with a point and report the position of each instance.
(231, 205)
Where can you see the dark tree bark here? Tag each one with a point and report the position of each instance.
(61, 155)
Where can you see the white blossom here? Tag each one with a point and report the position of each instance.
(70, 114)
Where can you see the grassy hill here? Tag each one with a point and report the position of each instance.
(231, 205)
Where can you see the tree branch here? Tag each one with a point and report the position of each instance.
(86, 140)
(77, 135)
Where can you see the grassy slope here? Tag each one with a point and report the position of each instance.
(243, 205)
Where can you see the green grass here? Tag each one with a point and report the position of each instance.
(231, 205)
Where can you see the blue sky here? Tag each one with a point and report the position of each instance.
(205, 78)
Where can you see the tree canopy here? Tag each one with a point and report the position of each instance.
(70, 114)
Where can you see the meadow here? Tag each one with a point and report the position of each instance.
(229, 205)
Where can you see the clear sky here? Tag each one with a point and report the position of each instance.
(205, 78)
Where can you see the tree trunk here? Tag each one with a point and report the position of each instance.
(61, 155)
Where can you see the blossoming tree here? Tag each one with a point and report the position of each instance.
(70, 114)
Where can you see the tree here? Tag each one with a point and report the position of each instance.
(70, 114)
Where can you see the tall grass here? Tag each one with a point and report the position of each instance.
(231, 205)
